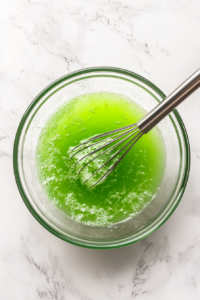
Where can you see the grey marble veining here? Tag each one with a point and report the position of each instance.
(42, 40)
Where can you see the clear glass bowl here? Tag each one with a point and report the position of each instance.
(171, 189)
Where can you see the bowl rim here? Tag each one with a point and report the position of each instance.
(34, 103)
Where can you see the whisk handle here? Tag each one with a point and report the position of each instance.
(170, 102)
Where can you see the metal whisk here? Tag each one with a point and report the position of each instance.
(109, 141)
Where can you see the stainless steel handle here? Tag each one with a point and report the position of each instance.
(170, 102)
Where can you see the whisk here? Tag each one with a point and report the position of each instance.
(109, 141)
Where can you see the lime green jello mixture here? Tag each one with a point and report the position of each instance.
(127, 189)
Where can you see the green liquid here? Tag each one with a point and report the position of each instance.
(127, 189)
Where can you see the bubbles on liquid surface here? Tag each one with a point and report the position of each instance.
(127, 189)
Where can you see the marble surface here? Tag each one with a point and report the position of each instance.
(41, 40)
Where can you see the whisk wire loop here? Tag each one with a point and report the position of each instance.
(108, 149)
(100, 136)
(139, 135)
(110, 142)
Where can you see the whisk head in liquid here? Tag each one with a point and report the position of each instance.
(106, 144)
(104, 152)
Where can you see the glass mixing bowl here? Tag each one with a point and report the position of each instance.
(147, 95)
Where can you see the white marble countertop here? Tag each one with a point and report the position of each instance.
(41, 40)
